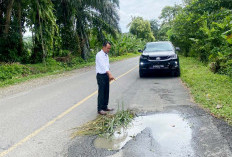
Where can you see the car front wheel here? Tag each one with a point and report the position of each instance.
(141, 73)
(176, 72)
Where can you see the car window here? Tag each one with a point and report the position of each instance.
(155, 47)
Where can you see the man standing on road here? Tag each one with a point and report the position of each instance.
(104, 77)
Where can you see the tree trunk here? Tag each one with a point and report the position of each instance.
(8, 16)
(1, 20)
(37, 56)
(20, 48)
(42, 42)
(1, 17)
(41, 33)
(84, 44)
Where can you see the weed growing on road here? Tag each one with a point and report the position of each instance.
(105, 124)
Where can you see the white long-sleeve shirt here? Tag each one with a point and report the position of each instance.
(102, 62)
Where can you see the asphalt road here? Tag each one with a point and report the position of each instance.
(37, 120)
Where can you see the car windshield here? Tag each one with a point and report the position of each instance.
(155, 47)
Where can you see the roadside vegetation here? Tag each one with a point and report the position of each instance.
(16, 73)
(211, 91)
(105, 125)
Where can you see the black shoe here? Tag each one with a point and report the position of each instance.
(109, 109)
(102, 112)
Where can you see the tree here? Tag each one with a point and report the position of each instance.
(11, 30)
(8, 16)
(141, 28)
(154, 28)
(77, 19)
(167, 16)
(169, 13)
(44, 27)
(65, 13)
(187, 2)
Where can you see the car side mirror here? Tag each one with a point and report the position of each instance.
(177, 49)
(141, 51)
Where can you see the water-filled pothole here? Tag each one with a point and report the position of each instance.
(170, 131)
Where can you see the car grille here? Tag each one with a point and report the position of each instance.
(159, 58)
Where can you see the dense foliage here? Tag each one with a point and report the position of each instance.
(58, 27)
(125, 43)
(203, 29)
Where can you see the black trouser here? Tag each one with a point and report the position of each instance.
(103, 91)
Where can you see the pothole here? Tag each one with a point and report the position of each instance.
(170, 131)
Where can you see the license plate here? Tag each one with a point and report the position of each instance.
(157, 66)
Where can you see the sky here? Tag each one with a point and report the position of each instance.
(148, 9)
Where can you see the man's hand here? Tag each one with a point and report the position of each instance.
(111, 78)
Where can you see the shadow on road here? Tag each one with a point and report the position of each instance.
(159, 75)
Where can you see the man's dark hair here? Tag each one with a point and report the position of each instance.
(105, 43)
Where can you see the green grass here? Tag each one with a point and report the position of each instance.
(105, 125)
(212, 91)
(17, 73)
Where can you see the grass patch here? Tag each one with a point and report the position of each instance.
(16, 73)
(212, 91)
(105, 125)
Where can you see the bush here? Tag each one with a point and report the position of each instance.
(221, 60)
(125, 43)
(14, 70)
(51, 65)
(64, 53)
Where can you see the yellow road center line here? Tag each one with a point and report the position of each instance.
(55, 119)
(123, 75)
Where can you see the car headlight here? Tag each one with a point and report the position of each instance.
(173, 56)
(144, 57)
